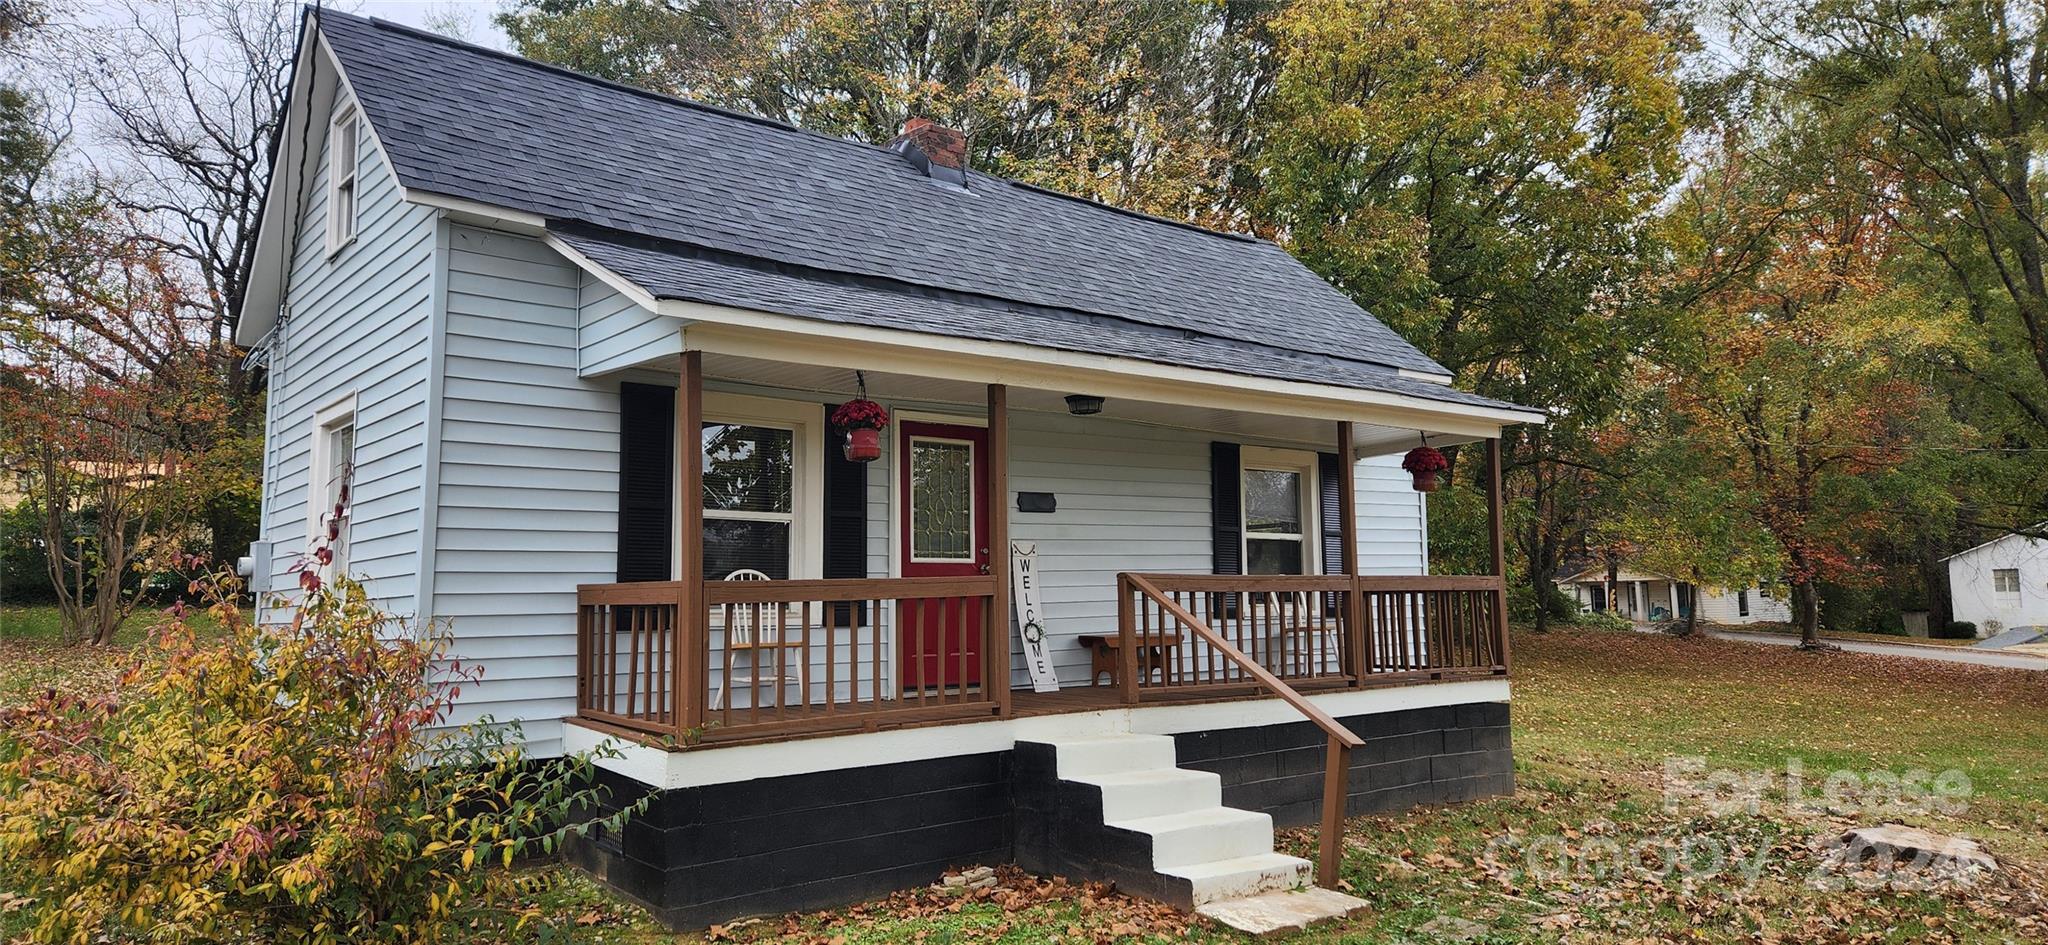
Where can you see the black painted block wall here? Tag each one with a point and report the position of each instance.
(703, 855)
(1412, 757)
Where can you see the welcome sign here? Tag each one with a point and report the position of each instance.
(1030, 618)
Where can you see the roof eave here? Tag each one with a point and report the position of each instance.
(972, 358)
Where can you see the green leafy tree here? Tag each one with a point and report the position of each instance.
(1482, 176)
(1680, 517)
(1952, 98)
(1804, 369)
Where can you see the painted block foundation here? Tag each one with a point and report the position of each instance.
(707, 854)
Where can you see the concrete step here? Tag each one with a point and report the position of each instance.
(1282, 910)
(1244, 876)
(1155, 792)
(1112, 754)
(1202, 836)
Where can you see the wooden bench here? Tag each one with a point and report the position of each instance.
(1105, 653)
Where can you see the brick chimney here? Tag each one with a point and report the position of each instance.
(940, 152)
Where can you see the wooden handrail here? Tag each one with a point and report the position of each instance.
(1262, 583)
(1336, 767)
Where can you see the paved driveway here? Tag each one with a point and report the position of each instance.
(1947, 654)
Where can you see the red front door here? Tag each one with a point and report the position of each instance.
(943, 491)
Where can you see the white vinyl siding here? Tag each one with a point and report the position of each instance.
(357, 323)
(614, 332)
(529, 478)
(1134, 497)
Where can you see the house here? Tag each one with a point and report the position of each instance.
(1648, 596)
(2001, 584)
(491, 293)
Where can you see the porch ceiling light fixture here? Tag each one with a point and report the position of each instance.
(1082, 405)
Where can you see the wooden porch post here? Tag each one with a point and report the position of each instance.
(692, 630)
(999, 545)
(1347, 513)
(1500, 557)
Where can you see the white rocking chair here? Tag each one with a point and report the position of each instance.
(744, 632)
(1292, 638)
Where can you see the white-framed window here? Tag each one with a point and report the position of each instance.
(345, 152)
(333, 466)
(763, 487)
(1742, 602)
(942, 500)
(2005, 580)
(1278, 501)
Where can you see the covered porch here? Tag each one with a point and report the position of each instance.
(728, 653)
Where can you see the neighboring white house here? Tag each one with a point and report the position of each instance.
(2000, 584)
(573, 349)
(1648, 596)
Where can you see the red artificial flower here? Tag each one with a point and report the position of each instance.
(862, 414)
(1425, 459)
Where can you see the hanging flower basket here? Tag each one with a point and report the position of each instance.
(863, 421)
(1424, 463)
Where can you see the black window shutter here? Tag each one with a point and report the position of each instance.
(647, 428)
(1328, 470)
(1226, 520)
(1226, 509)
(846, 518)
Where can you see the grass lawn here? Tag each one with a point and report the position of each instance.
(1569, 857)
(34, 658)
(1596, 718)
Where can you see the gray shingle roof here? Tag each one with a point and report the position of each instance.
(769, 200)
(673, 271)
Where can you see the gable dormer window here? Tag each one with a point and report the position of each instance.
(346, 136)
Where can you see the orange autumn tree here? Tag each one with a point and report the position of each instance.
(112, 423)
(1801, 379)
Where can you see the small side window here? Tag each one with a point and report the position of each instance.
(2006, 580)
(1742, 602)
(345, 141)
(332, 470)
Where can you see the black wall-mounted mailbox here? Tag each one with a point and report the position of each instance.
(1037, 502)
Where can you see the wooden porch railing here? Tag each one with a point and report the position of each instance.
(1315, 632)
(786, 656)
(763, 658)
(1432, 627)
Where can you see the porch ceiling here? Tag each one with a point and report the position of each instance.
(831, 382)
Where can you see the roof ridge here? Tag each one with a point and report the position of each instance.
(467, 46)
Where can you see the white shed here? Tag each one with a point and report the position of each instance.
(2000, 584)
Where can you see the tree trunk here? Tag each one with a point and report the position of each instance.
(1689, 596)
(1613, 587)
(1806, 607)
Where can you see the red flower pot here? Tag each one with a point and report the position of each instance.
(863, 445)
(1425, 481)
